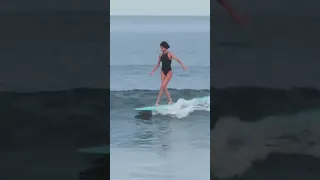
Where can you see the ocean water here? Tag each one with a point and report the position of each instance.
(266, 98)
(173, 144)
(54, 96)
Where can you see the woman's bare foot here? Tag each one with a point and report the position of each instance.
(170, 102)
(157, 103)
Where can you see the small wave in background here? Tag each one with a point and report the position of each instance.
(45, 129)
(75, 117)
(130, 99)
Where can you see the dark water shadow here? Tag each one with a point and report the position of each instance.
(99, 168)
(280, 166)
(234, 44)
(157, 127)
(144, 115)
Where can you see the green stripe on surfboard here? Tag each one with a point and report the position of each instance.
(103, 150)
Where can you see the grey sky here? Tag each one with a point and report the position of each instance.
(160, 7)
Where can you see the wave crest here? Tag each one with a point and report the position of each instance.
(255, 103)
(183, 107)
(140, 98)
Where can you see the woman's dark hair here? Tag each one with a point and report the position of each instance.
(165, 44)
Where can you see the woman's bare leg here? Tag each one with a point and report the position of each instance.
(166, 89)
(168, 96)
(159, 95)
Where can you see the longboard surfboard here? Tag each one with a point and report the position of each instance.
(153, 108)
(164, 107)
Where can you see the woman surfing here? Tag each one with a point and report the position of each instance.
(165, 58)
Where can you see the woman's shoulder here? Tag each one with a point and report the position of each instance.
(170, 53)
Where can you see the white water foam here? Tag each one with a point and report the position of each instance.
(182, 108)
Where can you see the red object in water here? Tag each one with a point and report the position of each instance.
(238, 19)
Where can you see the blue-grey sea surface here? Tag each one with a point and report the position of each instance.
(173, 144)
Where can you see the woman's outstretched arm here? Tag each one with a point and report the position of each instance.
(233, 14)
(178, 60)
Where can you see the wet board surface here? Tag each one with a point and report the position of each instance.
(153, 108)
(167, 106)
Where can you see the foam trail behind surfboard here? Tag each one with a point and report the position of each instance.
(182, 108)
